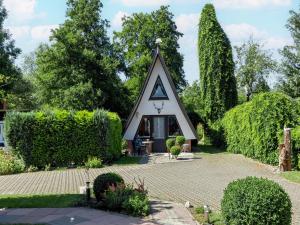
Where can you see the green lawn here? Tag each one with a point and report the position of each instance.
(40, 201)
(127, 160)
(293, 176)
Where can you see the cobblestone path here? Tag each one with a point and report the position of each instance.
(200, 181)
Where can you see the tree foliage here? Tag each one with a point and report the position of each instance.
(253, 66)
(79, 69)
(9, 73)
(136, 43)
(217, 81)
(255, 128)
(290, 66)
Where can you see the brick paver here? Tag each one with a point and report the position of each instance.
(200, 181)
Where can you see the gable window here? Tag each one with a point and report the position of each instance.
(173, 127)
(158, 92)
(144, 129)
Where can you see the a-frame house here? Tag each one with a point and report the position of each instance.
(158, 113)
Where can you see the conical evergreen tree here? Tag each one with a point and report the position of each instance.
(217, 80)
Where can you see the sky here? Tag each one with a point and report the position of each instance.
(30, 22)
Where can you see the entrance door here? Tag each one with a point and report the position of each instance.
(159, 134)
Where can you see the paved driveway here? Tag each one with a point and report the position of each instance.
(200, 181)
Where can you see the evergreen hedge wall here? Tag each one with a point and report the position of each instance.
(61, 137)
(255, 128)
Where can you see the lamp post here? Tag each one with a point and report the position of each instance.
(206, 213)
(88, 188)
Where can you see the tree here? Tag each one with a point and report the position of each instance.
(136, 43)
(9, 73)
(290, 66)
(79, 69)
(192, 103)
(217, 81)
(253, 66)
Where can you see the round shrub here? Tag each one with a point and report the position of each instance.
(175, 150)
(180, 140)
(256, 201)
(103, 181)
(170, 143)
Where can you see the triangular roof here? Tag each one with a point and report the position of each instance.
(158, 56)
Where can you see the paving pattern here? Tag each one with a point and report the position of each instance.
(200, 181)
(164, 213)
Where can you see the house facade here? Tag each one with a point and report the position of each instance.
(158, 113)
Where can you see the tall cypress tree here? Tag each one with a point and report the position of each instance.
(217, 80)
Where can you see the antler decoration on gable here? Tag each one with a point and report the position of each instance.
(158, 108)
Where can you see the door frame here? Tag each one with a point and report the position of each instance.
(166, 116)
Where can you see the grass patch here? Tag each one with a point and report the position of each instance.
(293, 176)
(214, 217)
(40, 201)
(127, 160)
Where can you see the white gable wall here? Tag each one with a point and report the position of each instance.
(171, 106)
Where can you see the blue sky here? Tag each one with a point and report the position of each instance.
(30, 22)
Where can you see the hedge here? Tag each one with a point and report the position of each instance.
(62, 137)
(255, 128)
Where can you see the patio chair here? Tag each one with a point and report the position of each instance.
(139, 147)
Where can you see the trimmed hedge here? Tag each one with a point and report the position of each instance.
(256, 201)
(62, 137)
(255, 128)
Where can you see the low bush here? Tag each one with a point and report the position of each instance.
(200, 131)
(175, 150)
(10, 164)
(93, 162)
(32, 169)
(170, 142)
(137, 204)
(113, 194)
(103, 181)
(254, 128)
(180, 140)
(61, 138)
(114, 199)
(255, 201)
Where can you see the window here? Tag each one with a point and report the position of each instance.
(144, 129)
(158, 91)
(173, 127)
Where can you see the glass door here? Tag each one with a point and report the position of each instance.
(159, 134)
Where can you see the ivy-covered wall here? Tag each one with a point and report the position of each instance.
(61, 137)
(255, 128)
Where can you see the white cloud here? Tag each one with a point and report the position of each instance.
(144, 2)
(147, 3)
(19, 32)
(277, 42)
(43, 32)
(242, 31)
(20, 11)
(239, 33)
(187, 22)
(117, 20)
(250, 3)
